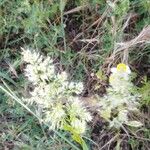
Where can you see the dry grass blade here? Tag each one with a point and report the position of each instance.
(89, 40)
(74, 10)
(12, 69)
(123, 48)
(97, 23)
(143, 37)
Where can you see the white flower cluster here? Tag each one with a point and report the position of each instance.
(72, 117)
(38, 69)
(78, 115)
(53, 94)
(120, 98)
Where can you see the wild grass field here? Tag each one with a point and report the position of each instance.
(92, 57)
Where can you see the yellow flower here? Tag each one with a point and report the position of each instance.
(122, 67)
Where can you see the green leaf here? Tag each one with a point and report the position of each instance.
(77, 138)
(6, 76)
